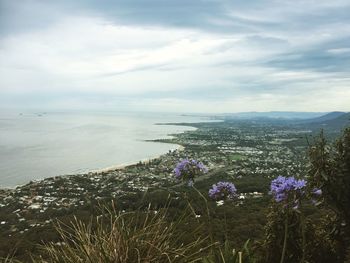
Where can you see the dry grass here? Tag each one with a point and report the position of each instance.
(142, 236)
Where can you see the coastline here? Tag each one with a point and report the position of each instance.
(36, 164)
(119, 166)
(98, 171)
(126, 165)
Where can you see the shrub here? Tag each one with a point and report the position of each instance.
(330, 171)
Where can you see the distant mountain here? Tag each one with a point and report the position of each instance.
(333, 120)
(329, 116)
(341, 121)
(287, 115)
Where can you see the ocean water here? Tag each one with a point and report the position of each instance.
(40, 145)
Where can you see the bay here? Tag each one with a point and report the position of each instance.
(40, 145)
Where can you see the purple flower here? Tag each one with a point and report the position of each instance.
(188, 169)
(222, 191)
(287, 189)
(299, 184)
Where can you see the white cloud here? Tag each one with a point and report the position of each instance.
(80, 51)
(244, 58)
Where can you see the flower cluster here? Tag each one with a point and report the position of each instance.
(288, 189)
(188, 169)
(222, 191)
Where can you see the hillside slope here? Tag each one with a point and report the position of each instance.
(326, 117)
(330, 121)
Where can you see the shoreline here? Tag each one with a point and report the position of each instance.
(126, 165)
(98, 171)
(116, 167)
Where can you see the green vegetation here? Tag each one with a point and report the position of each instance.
(140, 236)
(330, 171)
(236, 157)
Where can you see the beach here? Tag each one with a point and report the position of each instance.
(36, 147)
(126, 165)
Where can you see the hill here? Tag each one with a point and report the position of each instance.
(331, 121)
(341, 121)
(286, 115)
(329, 116)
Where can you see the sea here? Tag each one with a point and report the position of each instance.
(38, 145)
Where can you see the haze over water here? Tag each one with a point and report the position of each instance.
(36, 146)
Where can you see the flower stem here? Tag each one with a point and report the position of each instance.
(303, 237)
(208, 214)
(285, 239)
(226, 237)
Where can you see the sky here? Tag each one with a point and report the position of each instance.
(200, 56)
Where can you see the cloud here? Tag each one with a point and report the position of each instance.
(324, 57)
(207, 55)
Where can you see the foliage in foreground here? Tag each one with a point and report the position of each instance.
(125, 237)
(330, 171)
(146, 236)
(291, 234)
(227, 254)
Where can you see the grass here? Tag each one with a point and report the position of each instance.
(141, 236)
(145, 235)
